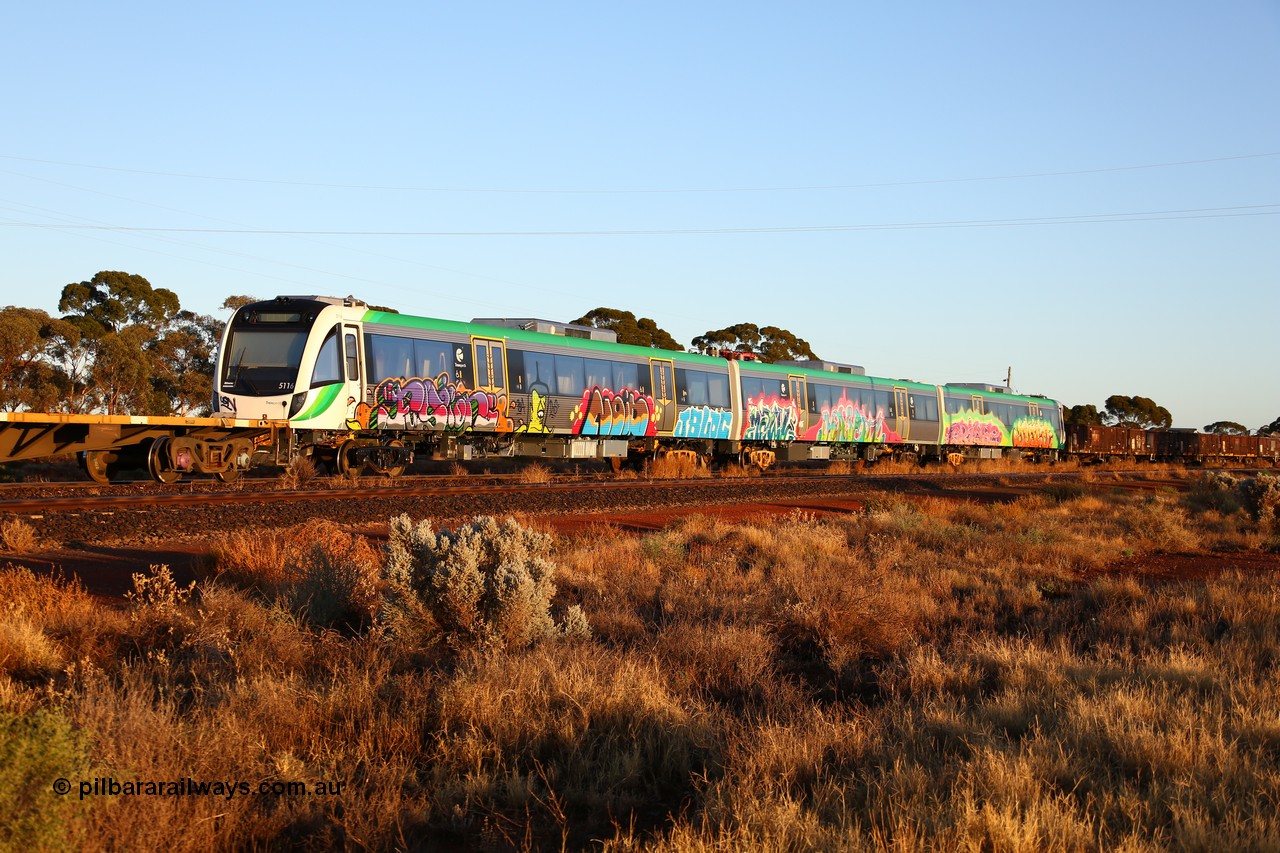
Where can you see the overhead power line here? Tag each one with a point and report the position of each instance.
(1095, 218)
(637, 191)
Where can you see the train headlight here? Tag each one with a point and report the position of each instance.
(296, 405)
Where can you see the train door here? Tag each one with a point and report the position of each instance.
(351, 358)
(901, 413)
(796, 387)
(491, 374)
(662, 371)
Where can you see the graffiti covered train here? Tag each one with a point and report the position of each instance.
(362, 387)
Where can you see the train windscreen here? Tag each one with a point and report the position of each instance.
(261, 361)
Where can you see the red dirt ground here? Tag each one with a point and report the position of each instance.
(106, 571)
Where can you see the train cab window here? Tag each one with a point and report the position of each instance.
(626, 376)
(328, 367)
(570, 375)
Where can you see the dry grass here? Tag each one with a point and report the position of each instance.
(675, 468)
(317, 568)
(932, 675)
(17, 536)
(734, 471)
(535, 474)
(842, 467)
(300, 471)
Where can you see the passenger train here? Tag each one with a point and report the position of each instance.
(363, 388)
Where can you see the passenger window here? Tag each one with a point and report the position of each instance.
(570, 376)
(718, 390)
(540, 369)
(392, 357)
(626, 376)
(515, 361)
(431, 358)
(696, 390)
(598, 373)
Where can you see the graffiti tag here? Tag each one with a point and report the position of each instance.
(704, 422)
(606, 412)
(437, 403)
(771, 419)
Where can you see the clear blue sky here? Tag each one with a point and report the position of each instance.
(1085, 192)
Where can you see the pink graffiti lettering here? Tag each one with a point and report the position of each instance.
(437, 404)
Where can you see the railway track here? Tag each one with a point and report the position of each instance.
(151, 513)
(22, 498)
(103, 538)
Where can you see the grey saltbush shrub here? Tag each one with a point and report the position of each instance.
(1261, 497)
(487, 584)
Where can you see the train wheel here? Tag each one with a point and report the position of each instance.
(346, 462)
(157, 464)
(96, 464)
(228, 476)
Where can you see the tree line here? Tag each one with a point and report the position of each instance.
(121, 346)
(1145, 413)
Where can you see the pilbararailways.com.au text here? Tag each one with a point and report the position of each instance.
(188, 787)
